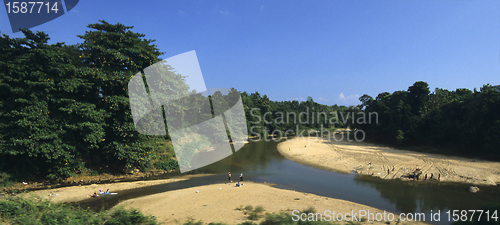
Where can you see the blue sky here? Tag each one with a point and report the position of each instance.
(334, 51)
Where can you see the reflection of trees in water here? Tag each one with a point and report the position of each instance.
(424, 196)
(252, 157)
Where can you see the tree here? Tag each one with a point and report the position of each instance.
(46, 123)
(114, 54)
(365, 100)
(418, 95)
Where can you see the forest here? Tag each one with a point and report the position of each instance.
(460, 122)
(65, 110)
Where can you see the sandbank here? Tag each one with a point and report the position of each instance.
(387, 163)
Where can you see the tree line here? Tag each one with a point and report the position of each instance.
(65, 109)
(459, 122)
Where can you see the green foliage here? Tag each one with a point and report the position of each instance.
(286, 218)
(166, 164)
(253, 214)
(266, 117)
(462, 122)
(37, 211)
(114, 54)
(122, 216)
(259, 209)
(248, 223)
(269, 218)
(191, 221)
(65, 108)
(39, 110)
(280, 218)
(400, 136)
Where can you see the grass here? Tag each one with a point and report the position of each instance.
(34, 210)
(269, 218)
(253, 214)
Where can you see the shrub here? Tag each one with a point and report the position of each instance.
(35, 210)
(122, 216)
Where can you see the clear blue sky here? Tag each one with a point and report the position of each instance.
(334, 51)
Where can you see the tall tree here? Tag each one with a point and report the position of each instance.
(114, 54)
(46, 123)
(418, 95)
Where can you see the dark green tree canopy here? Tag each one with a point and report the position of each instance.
(63, 107)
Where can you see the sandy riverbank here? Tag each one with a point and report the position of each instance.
(371, 159)
(214, 203)
(219, 203)
(78, 193)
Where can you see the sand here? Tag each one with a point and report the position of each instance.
(78, 193)
(216, 202)
(220, 203)
(370, 159)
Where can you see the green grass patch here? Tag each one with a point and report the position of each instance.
(35, 210)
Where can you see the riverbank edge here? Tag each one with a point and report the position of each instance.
(226, 200)
(77, 193)
(284, 149)
(104, 178)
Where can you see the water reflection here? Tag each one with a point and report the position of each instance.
(424, 196)
(253, 157)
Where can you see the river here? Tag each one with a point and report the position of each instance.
(261, 162)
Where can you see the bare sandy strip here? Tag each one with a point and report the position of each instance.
(371, 159)
(78, 193)
(219, 203)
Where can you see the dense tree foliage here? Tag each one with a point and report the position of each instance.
(64, 108)
(112, 54)
(267, 117)
(461, 122)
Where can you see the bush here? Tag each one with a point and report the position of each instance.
(191, 221)
(259, 209)
(169, 164)
(253, 216)
(122, 216)
(34, 210)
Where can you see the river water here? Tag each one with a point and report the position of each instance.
(261, 162)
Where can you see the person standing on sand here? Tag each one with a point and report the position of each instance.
(241, 177)
(229, 176)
